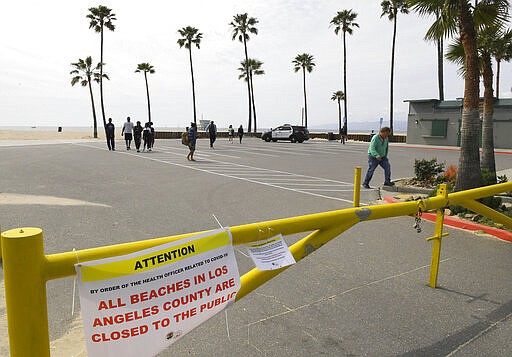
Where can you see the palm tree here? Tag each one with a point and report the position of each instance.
(243, 25)
(338, 96)
(391, 9)
(145, 68)
(304, 62)
(101, 17)
(501, 51)
(85, 74)
(461, 12)
(248, 69)
(190, 35)
(344, 21)
(443, 27)
(455, 54)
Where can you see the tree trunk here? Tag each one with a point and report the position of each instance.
(147, 93)
(339, 117)
(345, 84)
(101, 83)
(305, 99)
(488, 162)
(248, 87)
(193, 84)
(95, 122)
(440, 75)
(468, 175)
(252, 99)
(392, 74)
(498, 67)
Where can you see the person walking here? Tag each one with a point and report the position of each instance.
(212, 132)
(146, 136)
(110, 131)
(378, 155)
(137, 135)
(127, 131)
(240, 133)
(192, 137)
(343, 136)
(152, 131)
(231, 133)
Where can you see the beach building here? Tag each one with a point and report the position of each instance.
(438, 122)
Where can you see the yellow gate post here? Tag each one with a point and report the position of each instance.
(25, 291)
(357, 185)
(438, 236)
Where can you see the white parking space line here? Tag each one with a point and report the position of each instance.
(327, 190)
(257, 175)
(253, 152)
(316, 185)
(282, 150)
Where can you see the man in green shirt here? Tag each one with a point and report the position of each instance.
(378, 155)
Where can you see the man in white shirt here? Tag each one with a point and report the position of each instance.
(128, 133)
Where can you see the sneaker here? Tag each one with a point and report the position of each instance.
(365, 185)
(390, 184)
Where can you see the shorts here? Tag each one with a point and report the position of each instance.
(192, 145)
(127, 136)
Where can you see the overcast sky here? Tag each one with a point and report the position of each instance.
(41, 38)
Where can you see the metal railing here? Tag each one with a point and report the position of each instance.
(27, 268)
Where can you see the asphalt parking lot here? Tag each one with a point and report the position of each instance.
(363, 294)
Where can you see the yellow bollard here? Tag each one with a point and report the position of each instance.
(438, 236)
(357, 185)
(25, 292)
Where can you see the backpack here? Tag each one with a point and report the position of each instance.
(184, 138)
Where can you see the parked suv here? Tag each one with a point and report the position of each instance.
(287, 132)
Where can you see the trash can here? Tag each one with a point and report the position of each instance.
(330, 136)
(59, 129)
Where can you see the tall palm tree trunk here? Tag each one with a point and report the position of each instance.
(488, 160)
(440, 75)
(392, 76)
(252, 99)
(498, 67)
(101, 82)
(95, 123)
(345, 84)
(468, 175)
(305, 99)
(249, 126)
(193, 84)
(339, 117)
(147, 93)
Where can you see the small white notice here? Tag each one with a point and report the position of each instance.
(271, 253)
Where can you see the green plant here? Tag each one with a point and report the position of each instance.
(502, 179)
(427, 170)
(493, 202)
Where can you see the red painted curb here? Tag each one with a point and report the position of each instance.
(463, 224)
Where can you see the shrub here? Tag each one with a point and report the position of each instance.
(451, 173)
(427, 170)
(502, 179)
(493, 202)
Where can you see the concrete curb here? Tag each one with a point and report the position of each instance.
(463, 224)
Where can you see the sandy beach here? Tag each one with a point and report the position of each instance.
(51, 135)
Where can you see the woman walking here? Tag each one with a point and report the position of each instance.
(192, 136)
(240, 133)
(137, 135)
(231, 133)
(146, 136)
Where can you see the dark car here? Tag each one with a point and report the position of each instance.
(294, 133)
